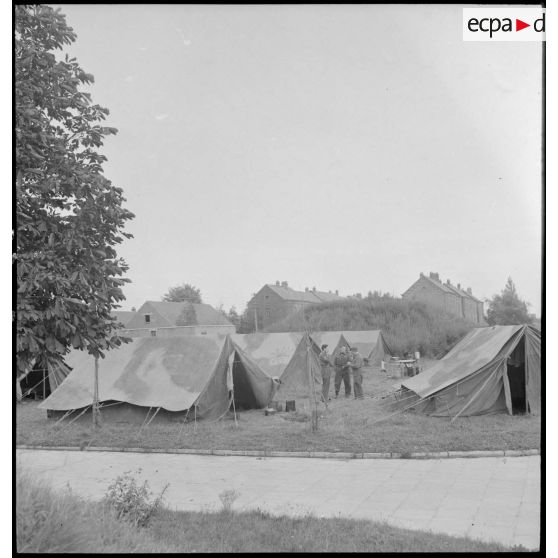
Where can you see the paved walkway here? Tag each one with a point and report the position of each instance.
(483, 498)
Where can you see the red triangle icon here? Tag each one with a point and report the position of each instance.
(519, 25)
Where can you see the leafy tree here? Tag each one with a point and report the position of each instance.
(183, 293)
(188, 316)
(247, 321)
(69, 217)
(507, 308)
(234, 317)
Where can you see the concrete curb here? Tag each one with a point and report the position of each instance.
(311, 454)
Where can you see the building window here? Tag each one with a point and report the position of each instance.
(153, 333)
(147, 318)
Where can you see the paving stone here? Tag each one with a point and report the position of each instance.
(421, 493)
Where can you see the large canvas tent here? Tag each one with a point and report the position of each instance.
(492, 369)
(173, 374)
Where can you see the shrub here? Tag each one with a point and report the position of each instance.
(131, 501)
(58, 521)
(406, 326)
(228, 498)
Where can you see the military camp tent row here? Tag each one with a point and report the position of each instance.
(204, 376)
(201, 375)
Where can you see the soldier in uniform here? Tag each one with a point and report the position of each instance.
(325, 363)
(356, 364)
(342, 372)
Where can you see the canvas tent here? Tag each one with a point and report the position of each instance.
(272, 352)
(370, 344)
(174, 374)
(333, 339)
(302, 371)
(492, 369)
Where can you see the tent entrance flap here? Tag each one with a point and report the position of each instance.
(516, 372)
(244, 396)
(36, 385)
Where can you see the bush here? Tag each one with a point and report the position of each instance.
(131, 501)
(228, 498)
(49, 521)
(406, 326)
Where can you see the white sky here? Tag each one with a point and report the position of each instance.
(342, 147)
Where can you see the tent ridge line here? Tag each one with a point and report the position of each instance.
(301, 454)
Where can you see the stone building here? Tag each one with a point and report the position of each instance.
(446, 296)
(164, 319)
(274, 302)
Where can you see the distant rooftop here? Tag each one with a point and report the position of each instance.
(308, 295)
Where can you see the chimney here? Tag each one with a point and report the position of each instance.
(434, 276)
(337, 292)
(284, 284)
(469, 290)
(448, 282)
(313, 289)
(277, 283)
(459, 286)
(306, 289)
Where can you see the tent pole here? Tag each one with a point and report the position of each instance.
(312, 394)
(234, 408)
(96, 410)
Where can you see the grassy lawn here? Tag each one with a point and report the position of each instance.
(347, 425)
(61, 523)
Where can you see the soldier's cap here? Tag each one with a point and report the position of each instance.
(324, 346)
(354, 349)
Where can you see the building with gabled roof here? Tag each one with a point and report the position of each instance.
(123, 316)
(275, 301)
(446, 296)
(163, 319)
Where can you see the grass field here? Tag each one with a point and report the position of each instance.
(48, 522)
(347, 425)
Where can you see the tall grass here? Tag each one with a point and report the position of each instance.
(61, 522)
(50, 522)
(407, 326)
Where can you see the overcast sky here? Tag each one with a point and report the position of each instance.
(342, 147)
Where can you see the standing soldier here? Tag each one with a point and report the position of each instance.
(342, 372)
(356, 364)
(325, 362)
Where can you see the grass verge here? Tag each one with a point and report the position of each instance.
(47, 521)
(347, 426)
